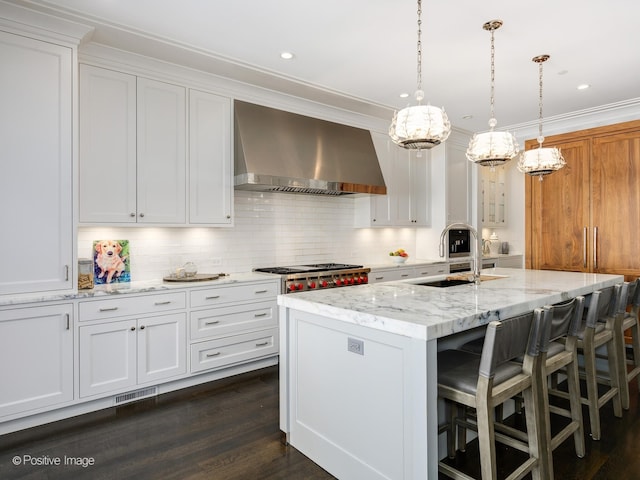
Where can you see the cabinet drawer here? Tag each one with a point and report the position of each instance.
(427, 270)
(131, 306)
(236, 293)
(225, 321)
(235, 349)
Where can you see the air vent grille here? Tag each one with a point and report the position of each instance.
(136, 395)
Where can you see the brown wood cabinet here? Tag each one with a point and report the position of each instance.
(586, 217)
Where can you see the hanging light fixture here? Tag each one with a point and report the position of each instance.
(540, 161)
(492, 148)
(421, 126)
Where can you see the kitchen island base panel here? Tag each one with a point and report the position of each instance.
(358, 399)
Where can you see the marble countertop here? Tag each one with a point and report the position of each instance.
(426, 313)
(135, 287)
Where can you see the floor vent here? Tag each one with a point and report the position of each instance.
(137, 395)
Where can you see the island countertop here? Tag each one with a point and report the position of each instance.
(427, 313)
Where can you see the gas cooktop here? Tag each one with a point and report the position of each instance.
(318, 267)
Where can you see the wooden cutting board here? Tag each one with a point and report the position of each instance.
(198, 277)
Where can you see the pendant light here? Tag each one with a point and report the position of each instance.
(540, 161)
(421, 126)
(492, 148)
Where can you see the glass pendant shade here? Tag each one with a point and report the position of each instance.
(491, 149)
(541, 161)
(419, 127)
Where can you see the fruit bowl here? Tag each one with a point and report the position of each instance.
(399, 256)
(399, 260)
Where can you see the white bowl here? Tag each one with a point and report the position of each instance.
(398, 259)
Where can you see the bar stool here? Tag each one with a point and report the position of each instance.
(484, 381)
(628, 304)
(596, 331)
(558, 352)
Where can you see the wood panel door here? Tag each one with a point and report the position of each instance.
(557, 212)
(615, 204)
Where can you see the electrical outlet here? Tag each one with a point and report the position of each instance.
(355, 346)
(216, 261)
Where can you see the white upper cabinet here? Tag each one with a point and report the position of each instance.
(134, 141)
(459, 180)
(210, 172)
(406, 176)
(161, 166)
(107, 146)
(36, 184)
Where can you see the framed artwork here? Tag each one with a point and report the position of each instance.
(111, 262)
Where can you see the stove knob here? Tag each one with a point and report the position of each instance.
(352, 281)
(338, 282)
(323, 284)
(311, 284)
(365, 279)
(300, 286)
(291, 287)
(359, 280)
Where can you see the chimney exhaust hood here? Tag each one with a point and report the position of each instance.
(278, 151)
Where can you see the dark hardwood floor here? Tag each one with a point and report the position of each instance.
(229, 430)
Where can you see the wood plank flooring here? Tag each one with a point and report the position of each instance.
(228, 430)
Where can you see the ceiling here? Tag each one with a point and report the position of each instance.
(366, 49)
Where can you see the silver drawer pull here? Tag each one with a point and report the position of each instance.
(260, 315)
(213, 322)
(108, 309)
(261, 291)
(163, 303)
(379, 278)
(262, 344)
(209, 355)
(212, 297)
(404, 275)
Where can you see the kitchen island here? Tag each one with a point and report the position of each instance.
(358, 366)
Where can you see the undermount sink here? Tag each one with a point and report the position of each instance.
(452, 282)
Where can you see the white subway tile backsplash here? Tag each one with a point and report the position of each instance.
(269, 229)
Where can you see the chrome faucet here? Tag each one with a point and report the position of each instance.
(476, 250)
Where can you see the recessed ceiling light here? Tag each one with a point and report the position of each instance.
(467, 117)
(404, 95)
(584, 86)
(286, 55)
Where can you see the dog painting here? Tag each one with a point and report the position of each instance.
(111, 260)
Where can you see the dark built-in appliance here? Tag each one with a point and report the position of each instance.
(459, 243)
(300, 278)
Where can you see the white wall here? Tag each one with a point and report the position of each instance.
(270, 229)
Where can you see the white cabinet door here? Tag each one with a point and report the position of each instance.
(162, 347)
(459, 178)
(407, 178)
(210, 167)
(161, 159)
(107, 166)
(107, 357)
(493, 197)
(36, 182)
(119, 355)
(36, 358)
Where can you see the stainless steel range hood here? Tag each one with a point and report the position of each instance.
(279, 151)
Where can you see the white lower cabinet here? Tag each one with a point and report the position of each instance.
(122, 354)
(244, 328)
(234, 349)
(406, 272)
(36, 358)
